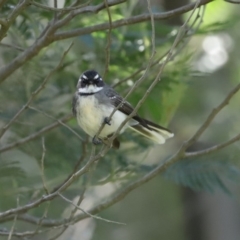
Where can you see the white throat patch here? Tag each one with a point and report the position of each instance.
(90, 89)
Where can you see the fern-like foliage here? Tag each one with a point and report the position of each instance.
(203, 174)
(11, 170)
(209, 173)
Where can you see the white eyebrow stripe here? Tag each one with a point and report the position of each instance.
(96, 77)
(84, 76)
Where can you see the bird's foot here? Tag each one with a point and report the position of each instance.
(96, 141)
(107, 121)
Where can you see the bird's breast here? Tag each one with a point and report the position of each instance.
(91, 114)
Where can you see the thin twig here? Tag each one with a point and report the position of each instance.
(12, 46)
(127, 21)
(137, 83)
(35, 135)
(44, 216)
(76, 167)
(80, 199)
(50, 34)
(59, 121)
(232, 1)
(109, 40)
(35, 93)
(211, 116)
(189, 33)
(162, 66)
(163, 166)
(87, 213)
(42, 166)
(122, 194)
(12, 228)
(55, 7)
(65, 227)
(30, 233)
(213, 148)
(14, 222)
(53, 195)
(20, 7)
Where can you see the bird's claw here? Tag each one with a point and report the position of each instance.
(107, 121)
(96, 141)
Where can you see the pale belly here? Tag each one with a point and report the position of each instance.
(90, 117)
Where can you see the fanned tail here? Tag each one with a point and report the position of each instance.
(152, 131)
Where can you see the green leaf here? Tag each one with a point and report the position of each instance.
(203, 174)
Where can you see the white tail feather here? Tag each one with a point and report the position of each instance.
(159, 135)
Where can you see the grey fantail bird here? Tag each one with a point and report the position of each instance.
(94, 102)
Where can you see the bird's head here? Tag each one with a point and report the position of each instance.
(90, 82)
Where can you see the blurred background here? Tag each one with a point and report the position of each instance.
(194, 199)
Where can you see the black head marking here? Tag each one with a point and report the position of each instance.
(90, 77)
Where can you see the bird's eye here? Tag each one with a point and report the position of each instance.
(84, 81)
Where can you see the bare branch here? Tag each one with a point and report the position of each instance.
(232, 1)
(39, 222)
(12, 16)
(47, 38)
(180, 34)
(42, 166)
(189, 33)
(213, 148)
(71, 215)
(78, 203)
(12, 228)
(124, 192)
(50, 36)
(59, 121)
(53, 195)
(12, 46)
(14, 222)
(36, 134)
(212, 115)
(87, 213)
(137, 83)
(34, 94)
(55, 7)
(127, 21)
(119, 196)
(76, 167)
(109, 40)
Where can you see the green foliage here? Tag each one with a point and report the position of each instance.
(210, 173)
(11, 170)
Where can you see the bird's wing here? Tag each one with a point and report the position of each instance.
(74, 103)
(147, 128)
(117, 100)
